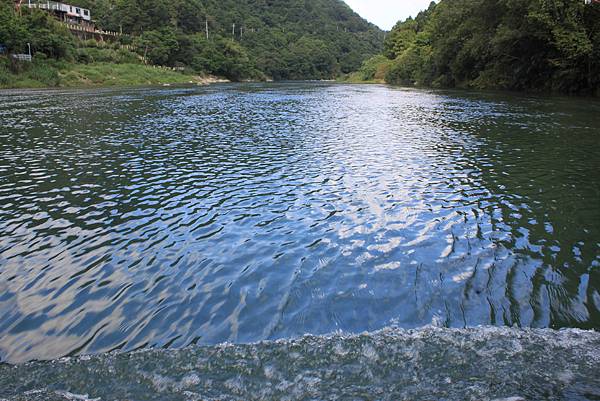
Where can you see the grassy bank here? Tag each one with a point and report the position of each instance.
(372, 71)
(355, 78)
(45, 73)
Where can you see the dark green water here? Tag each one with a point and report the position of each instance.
(147, 218)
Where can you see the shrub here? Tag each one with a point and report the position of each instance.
(374, 68)
(5, 75)
(126, 57)
(83, 56)
(90, 43)
(44, 73)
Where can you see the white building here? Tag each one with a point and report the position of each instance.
(65, 12)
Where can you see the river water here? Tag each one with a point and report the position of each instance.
(167, 217)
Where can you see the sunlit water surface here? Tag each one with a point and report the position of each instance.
(140, 218)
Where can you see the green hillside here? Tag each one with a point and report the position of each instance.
(282, 38)
(278, 39)
(540, 45)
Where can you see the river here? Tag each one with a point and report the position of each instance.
(168, 217)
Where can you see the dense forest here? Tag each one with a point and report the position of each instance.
(278, 39)
(541, 45)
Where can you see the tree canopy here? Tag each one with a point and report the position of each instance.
(546, 45)
(279, 39)
(283, 39)
(38, 29)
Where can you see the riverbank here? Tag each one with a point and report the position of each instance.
(355, 79)
(358, 79)
(484, 363)
(101, 74)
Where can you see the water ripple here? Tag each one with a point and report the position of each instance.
(160, 218)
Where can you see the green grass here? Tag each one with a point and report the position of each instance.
(356, 78)
(47, 73)
(107, 74)
(34, 75)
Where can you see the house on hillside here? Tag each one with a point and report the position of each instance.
(77, 19)
(69, 14)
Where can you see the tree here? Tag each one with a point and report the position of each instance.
(159, 46)
(548, 45)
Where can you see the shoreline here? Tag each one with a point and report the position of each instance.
(161, 77)
(100, 75)
(467, 89)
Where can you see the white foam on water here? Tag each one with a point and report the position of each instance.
(485, 363)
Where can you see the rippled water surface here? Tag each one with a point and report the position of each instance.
(166, 217)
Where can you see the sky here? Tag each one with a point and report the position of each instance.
(385, 13)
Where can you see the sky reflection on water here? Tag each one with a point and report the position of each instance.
(163, 217)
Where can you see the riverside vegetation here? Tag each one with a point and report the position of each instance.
(314, 39)
(539, 45)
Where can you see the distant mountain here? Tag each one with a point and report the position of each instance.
(279, 39)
